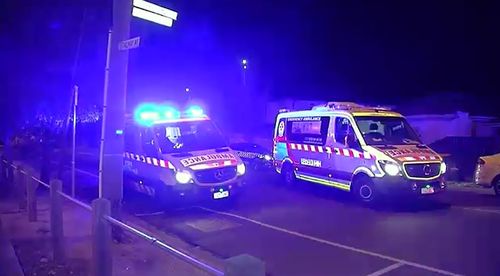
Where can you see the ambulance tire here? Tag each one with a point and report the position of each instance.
(288, 174)
(496, 185)
(364, 190)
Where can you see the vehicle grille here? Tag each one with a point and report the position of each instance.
(427, 170)
(216, 175)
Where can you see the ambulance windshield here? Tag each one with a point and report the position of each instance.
(381, 130)
(188, 136)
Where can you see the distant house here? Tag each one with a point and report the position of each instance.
(432, 128)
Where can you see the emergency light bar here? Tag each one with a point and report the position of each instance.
(150, 114)
(329, 106)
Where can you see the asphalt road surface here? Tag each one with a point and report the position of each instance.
(314, 230)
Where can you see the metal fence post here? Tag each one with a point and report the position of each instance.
(31, 186)
(244, 265)
(20, 187)
(101, 238)
(4, 183)
(10, 173)
(56, 221)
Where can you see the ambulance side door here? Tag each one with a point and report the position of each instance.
(148, 150)
(346, 143)
(132, 146)
(308, 136)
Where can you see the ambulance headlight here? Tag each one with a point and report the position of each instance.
(183, 177)
(390, 168)
(443, 168)
(240, 169)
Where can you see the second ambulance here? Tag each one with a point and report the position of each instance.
(367, 151)
(171, 153)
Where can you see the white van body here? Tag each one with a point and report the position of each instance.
(369, 151)
(186, 157)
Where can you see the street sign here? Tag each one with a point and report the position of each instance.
(129, 44)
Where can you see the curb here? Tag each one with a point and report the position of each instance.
(9, 263)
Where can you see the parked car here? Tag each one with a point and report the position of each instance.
(255, 156)
(488, 172)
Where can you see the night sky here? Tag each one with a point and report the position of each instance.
(381, 52)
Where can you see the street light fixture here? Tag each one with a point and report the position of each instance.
(154, 13)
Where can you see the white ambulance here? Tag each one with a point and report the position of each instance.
(368, 151)
(170, 153)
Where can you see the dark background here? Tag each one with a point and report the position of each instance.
(444, 54)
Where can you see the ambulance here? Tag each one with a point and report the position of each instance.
(368, 151)
(171, 154)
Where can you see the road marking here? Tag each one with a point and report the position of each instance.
(212, 224)
(334, 244)
(150, 214)
(490, 211)
(386, 269)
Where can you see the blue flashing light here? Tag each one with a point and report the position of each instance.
(195, 111)
(149, 114)
(170, 113)
(119, 132)
(146, 114)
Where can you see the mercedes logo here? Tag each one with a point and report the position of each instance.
(427, 169)
(218, 174)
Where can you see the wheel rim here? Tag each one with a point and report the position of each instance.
(365, 192)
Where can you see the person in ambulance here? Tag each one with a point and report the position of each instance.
(170, 154)
(368, 151)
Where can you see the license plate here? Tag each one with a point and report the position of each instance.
(221, 194)
(427, 190)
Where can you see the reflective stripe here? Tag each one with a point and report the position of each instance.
(155, 161)
(338, 151)
(162, 163)
(317, 180)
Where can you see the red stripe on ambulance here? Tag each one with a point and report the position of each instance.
(330, 150)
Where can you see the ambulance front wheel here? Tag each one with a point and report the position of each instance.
(288, 174)
(364, 190)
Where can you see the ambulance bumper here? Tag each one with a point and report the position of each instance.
(388, 185)
(215, 191)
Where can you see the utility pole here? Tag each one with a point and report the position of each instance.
(111, 151)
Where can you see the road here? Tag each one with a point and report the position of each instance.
(314, 230)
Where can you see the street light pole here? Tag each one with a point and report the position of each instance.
(244, 64)
(111, 151)
(73, 156)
